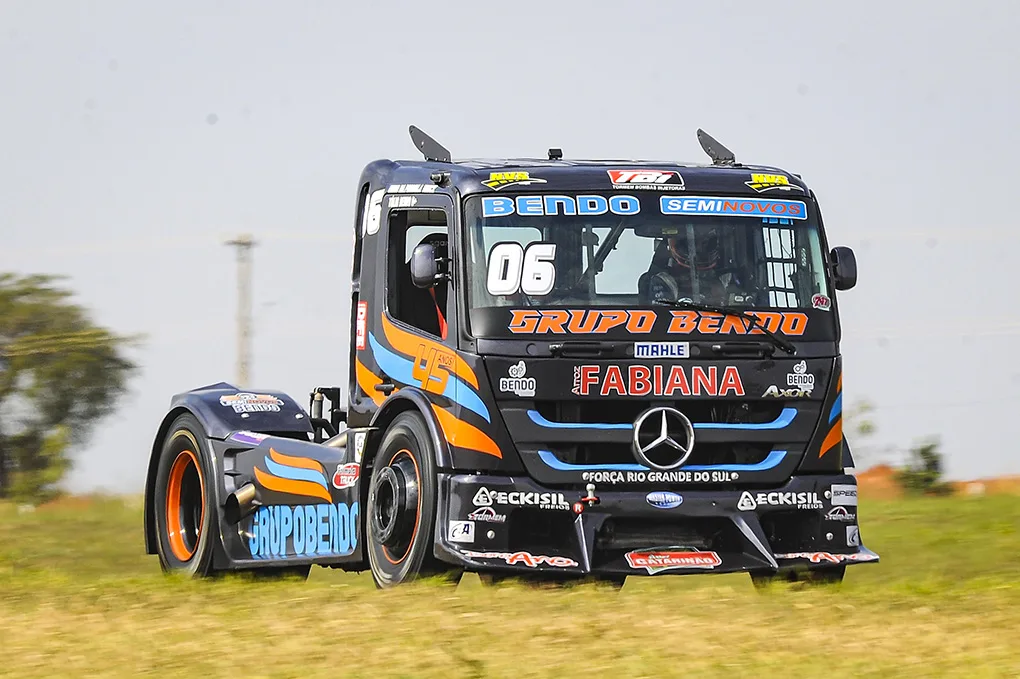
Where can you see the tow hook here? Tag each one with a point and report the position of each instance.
(590, 498)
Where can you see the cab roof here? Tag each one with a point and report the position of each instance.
(470, 175)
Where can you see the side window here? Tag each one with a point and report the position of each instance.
(425, 309)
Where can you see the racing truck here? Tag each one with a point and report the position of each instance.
(558, 370)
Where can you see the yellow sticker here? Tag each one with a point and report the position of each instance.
(767, 182)
(498, 180)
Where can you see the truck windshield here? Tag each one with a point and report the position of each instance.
(611, 249)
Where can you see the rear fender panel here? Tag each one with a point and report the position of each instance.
(290, 475)
(307, 507)
(221, 409)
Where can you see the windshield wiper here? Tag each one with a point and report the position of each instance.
(754, 320)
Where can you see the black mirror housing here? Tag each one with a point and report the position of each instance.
(844, 267)
(424, 266)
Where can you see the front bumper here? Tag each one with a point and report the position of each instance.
(512, 523)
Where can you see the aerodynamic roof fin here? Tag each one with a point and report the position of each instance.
(719, 154)
(429, 147)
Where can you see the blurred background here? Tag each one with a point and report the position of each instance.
(138, 138)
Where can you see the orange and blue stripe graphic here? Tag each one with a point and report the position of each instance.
(835, 435)
(436, 369)
(294, 476)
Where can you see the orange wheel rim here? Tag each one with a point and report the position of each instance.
(417, 517)
(183, 530)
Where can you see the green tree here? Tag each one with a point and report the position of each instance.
(923, 472)
(859, 428)
(59, 375)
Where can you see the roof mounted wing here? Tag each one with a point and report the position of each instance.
(429, 147)
(719, 154)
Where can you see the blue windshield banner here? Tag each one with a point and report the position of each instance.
(744, 207)
(622, 204)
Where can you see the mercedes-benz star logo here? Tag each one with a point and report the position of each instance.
(659, 429)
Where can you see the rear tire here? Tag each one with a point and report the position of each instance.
(184, 508)
(400, 518)
(803, 577)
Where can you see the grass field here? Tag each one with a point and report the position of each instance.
(79, 598)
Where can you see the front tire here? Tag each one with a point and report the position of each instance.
(184, 507)
(400, 519)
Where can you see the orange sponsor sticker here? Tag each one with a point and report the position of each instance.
(642, 322)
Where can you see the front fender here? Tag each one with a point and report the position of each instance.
(412, 399)
(222, 408)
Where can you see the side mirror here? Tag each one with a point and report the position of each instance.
(424, 267)
(844, 267)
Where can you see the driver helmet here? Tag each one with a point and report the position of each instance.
(706, 249)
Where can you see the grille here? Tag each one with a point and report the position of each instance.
(704, 453)
(610, 411)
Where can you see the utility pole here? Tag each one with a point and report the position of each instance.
(244, 243)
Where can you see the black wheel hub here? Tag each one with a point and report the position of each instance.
(394, 501)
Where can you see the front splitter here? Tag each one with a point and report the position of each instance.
(515, 524)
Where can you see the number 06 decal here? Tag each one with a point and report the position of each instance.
(513, 268)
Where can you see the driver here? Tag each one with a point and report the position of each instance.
(688, 267)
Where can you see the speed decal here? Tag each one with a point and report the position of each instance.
(514, 268)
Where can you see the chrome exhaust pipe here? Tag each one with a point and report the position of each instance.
(240, 503)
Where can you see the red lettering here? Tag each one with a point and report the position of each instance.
(677, 380)
(640, 384)
(522, 557)
(703, 379)
(589, 377)
(731, 380)
(614, 380)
